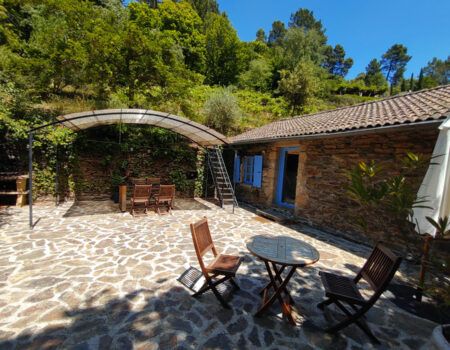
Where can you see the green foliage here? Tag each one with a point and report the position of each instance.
(393, 63)
(374, 77)
(222, 46)
(65, 56)
(442, 226)
(179, 179)
(180, 21)
(204, 7)
(301, 86)
(335, 62)
(305, 20)
(259, 108)
(392, 195)
(358, 87)
(258, 76)
(222, 111)
(277, 33)
(44, 181)
(261, 35)
(300, 45)
(438, 71)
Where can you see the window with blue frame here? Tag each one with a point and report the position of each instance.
(248, 170)
(251, 170)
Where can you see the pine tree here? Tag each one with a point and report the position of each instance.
(411, 82)
(261, 35)
(403, 85)
(393, 63)
(420, 81)
(277, 33)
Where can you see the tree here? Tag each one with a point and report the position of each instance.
(57, 43)
(393, 63)
(151, 59)
(258, 76)
(403, 85)
(304, 19)
(277, 33)
(222, 111)
(302, 85)
(222, 46)
(180, 22)
(204, 7)
(301, 45)
(261, 35)
(335, 62)
(438, 70)
(420, 80)
(374, 76)
(411, 82)
(152, 3)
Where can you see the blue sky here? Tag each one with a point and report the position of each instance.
(366, 28)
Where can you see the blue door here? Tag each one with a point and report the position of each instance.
(288, 159)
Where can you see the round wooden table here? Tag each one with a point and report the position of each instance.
(279, 253)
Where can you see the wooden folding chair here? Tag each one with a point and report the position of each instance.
(222, 265)
(141, 194)
(155, 182)
(165, 197)
(378, 272)
(138, 181)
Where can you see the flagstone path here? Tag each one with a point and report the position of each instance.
(90, 277)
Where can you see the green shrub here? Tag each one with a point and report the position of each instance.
(222, 111)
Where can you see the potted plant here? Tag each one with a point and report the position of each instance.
(116, 181)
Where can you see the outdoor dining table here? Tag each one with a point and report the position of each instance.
(280, 253)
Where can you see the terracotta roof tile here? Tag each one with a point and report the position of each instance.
(431, 104)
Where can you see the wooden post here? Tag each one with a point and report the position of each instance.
(423, 267)
(123, 197)
(21, 187)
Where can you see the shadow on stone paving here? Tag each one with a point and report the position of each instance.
(84, 208)
(174, 319)
(105, 207)
(6, 216)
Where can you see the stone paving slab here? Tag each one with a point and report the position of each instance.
(90, 277)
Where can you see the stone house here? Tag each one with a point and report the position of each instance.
(301, 163)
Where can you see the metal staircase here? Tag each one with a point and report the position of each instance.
(222, 183)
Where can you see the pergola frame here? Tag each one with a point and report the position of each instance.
(203, 136)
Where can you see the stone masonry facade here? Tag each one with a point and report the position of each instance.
(321, 194)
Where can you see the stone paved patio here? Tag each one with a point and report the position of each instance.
(90, 277)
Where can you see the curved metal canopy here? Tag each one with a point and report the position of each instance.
(196, 132)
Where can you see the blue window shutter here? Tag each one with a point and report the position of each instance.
(237, 170)
(257, 171)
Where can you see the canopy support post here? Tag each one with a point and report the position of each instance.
(57, 178)
(206, 171)
(30, 178)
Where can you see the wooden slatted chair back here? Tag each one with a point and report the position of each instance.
(153, 181)
(166, 191)
(201, 236)
(380, 268)
(138, 181)
(141, 191)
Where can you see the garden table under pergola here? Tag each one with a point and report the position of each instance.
(200, 134)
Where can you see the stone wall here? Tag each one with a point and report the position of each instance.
(321, 196)
(92, 175)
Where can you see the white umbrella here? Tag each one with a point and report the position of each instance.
(435, 188)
